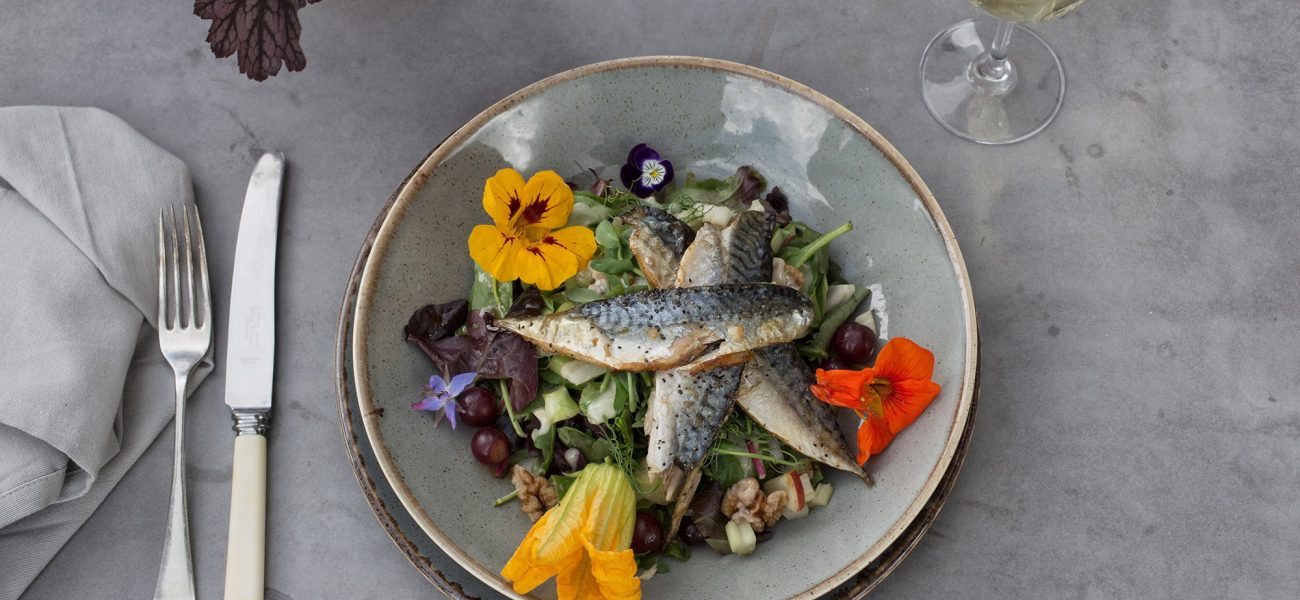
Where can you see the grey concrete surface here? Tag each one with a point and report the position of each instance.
(1136, 267)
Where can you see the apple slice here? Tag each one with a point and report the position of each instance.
(797, 507)
(798, 488)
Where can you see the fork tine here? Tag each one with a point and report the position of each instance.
(189, 267)
(162, 273)
(176, 273)
(206, 297)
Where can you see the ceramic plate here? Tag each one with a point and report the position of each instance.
(456, 583)
(707, 116)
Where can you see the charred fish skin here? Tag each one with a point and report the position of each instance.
(775, 391)
(658, 242)
(667, 328)
(748, 243)
(686, 412)
(739, 253)
(721, 306)
(713, 393)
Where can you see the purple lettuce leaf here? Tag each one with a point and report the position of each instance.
(492, 353)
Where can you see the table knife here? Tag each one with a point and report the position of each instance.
(250, 369)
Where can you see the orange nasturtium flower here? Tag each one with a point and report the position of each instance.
(584, 541)
(528, 239)
(888, 396)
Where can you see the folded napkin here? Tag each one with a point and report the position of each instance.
(84, 388)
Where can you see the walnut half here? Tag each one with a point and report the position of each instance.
(746, 503)
(536, 494)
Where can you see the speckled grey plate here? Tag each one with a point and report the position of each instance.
(708, 116)
(456, 583)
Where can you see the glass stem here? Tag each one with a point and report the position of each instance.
(991, 71)
(1001, 40)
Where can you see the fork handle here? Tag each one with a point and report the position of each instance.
(246, 546)
(176, 575)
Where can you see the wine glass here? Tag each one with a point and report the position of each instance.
(976, 90)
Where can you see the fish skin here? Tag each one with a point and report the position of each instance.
(704, 262)
(748, 241)
(687, 410)
(657, 242)
(661, 329)
(739, 253)
(691, 402)
(700, 396)
(775, 391)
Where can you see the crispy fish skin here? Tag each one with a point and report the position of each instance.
(775, 391)
(748, 241)
(686, 412)
(701, 395)
(740, 253)
(661, 329)
(658, 241)
(690, 403)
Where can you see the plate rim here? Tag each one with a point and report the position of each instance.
(415, 181)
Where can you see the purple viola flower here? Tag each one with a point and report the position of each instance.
(645, 172)
(441, 395)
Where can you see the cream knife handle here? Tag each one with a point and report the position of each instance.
(246, 548)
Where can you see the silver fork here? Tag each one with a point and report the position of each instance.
(184, 341)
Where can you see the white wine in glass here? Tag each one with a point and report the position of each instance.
(969, 81)
(1027, 11)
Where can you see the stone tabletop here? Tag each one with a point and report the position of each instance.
(1136, 267)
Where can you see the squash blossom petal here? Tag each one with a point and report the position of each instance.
(888, 396)
(584, 541)
(527, 239)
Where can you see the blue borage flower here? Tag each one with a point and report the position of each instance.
(441, 395)
(645, 172)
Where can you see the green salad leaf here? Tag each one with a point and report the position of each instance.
(817, 347)
(678, 550)
(487, 292)
(736, 192)
(599, 403)
(594, 450)
(562, 484)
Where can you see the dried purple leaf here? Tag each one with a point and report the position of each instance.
(262, 33)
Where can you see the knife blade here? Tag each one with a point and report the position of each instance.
(250, 372)
(250, 349)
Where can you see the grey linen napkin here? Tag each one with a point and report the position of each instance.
(84, 388)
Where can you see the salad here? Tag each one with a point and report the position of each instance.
(656, 368)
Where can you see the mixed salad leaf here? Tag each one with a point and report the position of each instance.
(550, 419)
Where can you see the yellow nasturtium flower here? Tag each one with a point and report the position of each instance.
(528, 239)
(584, 541)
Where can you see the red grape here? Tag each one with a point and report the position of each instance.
(690, 532)
(836, 363)
(854, 342)
(648, 535)
(490, 446)
(477, 407)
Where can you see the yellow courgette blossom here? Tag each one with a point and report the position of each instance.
(584, 541)
(528, 239)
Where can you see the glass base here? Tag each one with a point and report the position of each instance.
(1004, 110)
